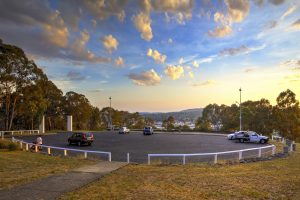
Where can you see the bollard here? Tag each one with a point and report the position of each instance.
(149, 160)
(109, 157)
(216, 158)
(183, 159)
(26, 147)
(240, 155)
(273, 150)
(21, 145)
(2, 135)
(128, 161)
(65, 152)
(36, 148)
(259, 153)
(85, 155)
(49, 151)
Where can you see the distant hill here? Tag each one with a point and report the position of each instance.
(184, 115)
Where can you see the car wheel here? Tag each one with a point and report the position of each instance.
(70, 142)
(262, 141)
(89, 144)
(79, 144)
(242, 140)
(231, 138)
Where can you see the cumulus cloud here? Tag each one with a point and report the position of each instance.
(110, 43)
(195, 64)
(237, 10)
(174, 72)
(158, 57)
(119, 61)
(142, 23)
(296, 25)
(79, 52)
(145, 78)
(75, 76)
(205, 83)
(191, 74)
(181, 61)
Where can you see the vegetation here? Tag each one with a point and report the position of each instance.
(259, 116)
(8, 145)
(18, 167)
(275, 179)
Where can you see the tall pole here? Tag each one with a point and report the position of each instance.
(240, 108)
(110, 119)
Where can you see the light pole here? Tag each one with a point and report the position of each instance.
(110, 119)
(240, 109)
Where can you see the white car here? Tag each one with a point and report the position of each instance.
(232, 136)
(124, 130)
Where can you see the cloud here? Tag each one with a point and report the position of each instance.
(221, 31)
(293, 78)
(142, 23)
(237, 9)
(276, 2)
(119, 61)
(296, 25)
(243, 49)
(174, 72)
(95, 91)
(288, 12)
(249, 69)
(79, 52)
(271, 24)
(191, 74)
(258, 2)
(145, 78)
(205, 83)
(110, 43)
(181, 61)
(159, 58)
(170, 41)
(195, 64)
(75, 76)
(291, 64)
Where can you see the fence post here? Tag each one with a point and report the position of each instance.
(273, 150)
(128, 158)
(183, 159)
(49, 151)
(216, 159)
(36, 148)
(259, 153)
(85, 154)
(2, 135)
(26, 147)
(21, 145)
(240, 155)
(65, 152)
(109, 157)
(149, 160)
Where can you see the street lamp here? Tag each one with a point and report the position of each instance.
(110, 119)
(240, 109)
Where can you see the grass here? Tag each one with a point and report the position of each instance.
(18, 167)
(275, 179)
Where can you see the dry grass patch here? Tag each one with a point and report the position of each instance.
(275, 179)
(18, 167)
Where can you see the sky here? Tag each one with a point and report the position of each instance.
(160, 55)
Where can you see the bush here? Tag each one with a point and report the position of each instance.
(5, 144)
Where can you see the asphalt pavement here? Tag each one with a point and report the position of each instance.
(138, 145)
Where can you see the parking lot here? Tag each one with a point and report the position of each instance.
(139, 145)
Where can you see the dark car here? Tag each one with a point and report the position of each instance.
(148, 130)
(81, 138)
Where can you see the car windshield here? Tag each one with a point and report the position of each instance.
(147, 128)
(89, 134)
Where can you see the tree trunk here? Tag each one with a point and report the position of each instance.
(12, 113)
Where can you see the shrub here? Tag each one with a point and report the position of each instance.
(5, 144)
(12, 146)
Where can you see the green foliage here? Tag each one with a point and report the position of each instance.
(4, 144)
(169, 123)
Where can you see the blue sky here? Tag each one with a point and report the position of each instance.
(156, 55)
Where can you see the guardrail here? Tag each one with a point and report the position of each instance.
(215, 154)
(21, 132)
(28, 145)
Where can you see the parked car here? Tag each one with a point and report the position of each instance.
(124, 130)
(81, 138)
(251, 136)
(148, 130)
(232, 136)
